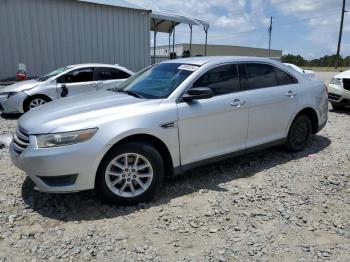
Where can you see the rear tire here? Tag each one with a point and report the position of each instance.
(130, 173)
(35, 101)
(299, 134)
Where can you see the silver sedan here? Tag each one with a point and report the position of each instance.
(63, 82)
(165, 120)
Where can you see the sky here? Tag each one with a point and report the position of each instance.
(306, 27)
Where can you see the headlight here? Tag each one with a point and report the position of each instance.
(8, 94)
(63, 139)
(336, 81)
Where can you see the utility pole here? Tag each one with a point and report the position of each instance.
(340, 34)
(270, 32)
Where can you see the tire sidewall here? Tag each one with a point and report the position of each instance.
(290, 145)
(147, 151)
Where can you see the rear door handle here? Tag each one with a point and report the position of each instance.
(291, 94)
(237, 103)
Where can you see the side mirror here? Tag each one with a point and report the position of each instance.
(198, 93)
(65, 91)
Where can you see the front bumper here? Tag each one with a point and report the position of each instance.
(337, 94)
(62, 169)
(14, 104)
(2, 98)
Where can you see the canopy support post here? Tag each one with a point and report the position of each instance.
(174, 39)
(206, 41)
(154, 41)
(191, 39)
(169, 50)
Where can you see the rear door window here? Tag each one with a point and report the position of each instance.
(259, 76)
(222, 80)
(123, 75)
(105, 73)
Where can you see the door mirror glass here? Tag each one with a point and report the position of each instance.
(198, 93)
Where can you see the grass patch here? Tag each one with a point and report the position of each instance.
(326, 69)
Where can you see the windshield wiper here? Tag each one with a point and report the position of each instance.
(131, 93)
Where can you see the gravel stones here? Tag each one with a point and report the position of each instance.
(266, 206)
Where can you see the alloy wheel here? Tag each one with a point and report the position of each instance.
(129, 175)
(36, 102)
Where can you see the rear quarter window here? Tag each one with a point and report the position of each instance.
(283, 78)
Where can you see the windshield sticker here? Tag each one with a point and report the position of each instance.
(188, 67)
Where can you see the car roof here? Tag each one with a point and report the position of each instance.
(94, 65)
(219, 59)
(76, 66)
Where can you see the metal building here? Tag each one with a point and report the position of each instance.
(47, 34)
(216, 50)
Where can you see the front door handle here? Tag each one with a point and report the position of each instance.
(291, 94)
(99, 85)
(237, 103)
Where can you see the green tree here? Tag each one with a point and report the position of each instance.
(294, 59)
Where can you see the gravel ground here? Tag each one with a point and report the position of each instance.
(266, 206)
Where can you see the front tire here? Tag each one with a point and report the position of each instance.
(35, 101)
(299, 134)
(130, 173)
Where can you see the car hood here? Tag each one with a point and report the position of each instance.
(20, 86)
(345, 74)
(83, 111)
(310, 72)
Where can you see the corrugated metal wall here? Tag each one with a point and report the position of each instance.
(48, 34)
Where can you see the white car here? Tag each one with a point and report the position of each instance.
(63, 82)
(308, 73)
(339, 90)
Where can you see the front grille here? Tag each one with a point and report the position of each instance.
(345, 102)
(333, 96)
(20, 140)
(346, 83)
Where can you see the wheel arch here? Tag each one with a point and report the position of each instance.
(157, 143)
(29, 97)
(312, 114)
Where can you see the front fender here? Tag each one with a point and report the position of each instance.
(170, 142)
(169, 137)
(49, 91)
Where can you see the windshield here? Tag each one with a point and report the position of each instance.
(54, 73)
(158, 81)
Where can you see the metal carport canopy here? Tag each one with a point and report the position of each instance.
(166, 23)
